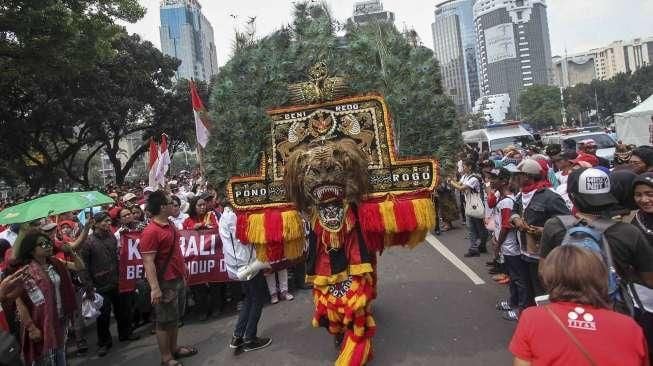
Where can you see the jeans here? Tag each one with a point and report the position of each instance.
(122, 305)
(477, 233)
(255, 296)
(518, 289)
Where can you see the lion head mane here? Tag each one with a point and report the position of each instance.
(326, 172)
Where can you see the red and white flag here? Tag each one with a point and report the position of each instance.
(163, 163)
(202, 122)
(152, 164)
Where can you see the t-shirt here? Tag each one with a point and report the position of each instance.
(609, 338)
(630, 250)
(501, 215)
(161, 239)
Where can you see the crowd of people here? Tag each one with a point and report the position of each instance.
(572, 238)
(64, 260)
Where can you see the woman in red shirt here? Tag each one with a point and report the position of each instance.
(198, 216)
(576, 328)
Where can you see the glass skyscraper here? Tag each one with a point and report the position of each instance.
(454, 45)
(186, 34)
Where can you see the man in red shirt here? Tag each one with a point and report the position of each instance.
(166, 274)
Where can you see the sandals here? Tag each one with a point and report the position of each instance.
(185, 351)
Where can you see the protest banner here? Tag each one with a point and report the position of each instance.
(202, 251)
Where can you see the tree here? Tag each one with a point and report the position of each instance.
(375, 57)
(46, 47)
(540, 106)
(611, 96)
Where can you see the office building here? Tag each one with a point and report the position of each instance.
(603, 63)
(370, 11)
(623, 56)
(454, 46)
(513, 48)
(186, 34)
(574, 69)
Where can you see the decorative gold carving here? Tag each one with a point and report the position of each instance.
(319, 88)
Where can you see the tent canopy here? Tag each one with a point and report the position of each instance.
(633, 126)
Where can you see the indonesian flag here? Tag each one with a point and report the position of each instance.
(152, 165)
(202, 122)
(159, 162)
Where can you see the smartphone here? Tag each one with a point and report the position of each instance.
(542, 300)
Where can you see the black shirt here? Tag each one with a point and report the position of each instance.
(630, 249)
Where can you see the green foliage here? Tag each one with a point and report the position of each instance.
(540, 106)
(376, 57)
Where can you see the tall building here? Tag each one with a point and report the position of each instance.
(513, 47)
(371, 11)
(454, 45)
(620, 56)
(187, 35)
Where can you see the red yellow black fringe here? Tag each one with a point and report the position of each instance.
(350, 313)
(397, 219)
(277, 234)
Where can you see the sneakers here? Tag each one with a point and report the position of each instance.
(236, 342)
(274, 298)
(511, 315)
(256, 343)
(503, 305)
(287, 296)
(472, 254)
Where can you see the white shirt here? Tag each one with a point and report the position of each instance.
(510, 246)
(9, 236)
(236, 254)
(179, 220)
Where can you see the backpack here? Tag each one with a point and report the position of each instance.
(592, 237)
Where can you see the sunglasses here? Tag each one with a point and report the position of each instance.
(45, 243)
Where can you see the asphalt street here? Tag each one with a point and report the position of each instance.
(428, 312)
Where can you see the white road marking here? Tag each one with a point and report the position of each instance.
(437, 245)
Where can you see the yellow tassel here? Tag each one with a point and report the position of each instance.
(261, 252)
(416, 237)
(424, 213)
(293, 249)
(292, 225)
(256, 229)
(386, 208)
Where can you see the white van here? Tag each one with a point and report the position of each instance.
(499, 136)
(569, 139)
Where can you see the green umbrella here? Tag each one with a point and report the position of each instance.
(52, 204)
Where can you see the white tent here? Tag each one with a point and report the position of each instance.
(633, 126)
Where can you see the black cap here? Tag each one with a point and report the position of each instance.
(590, 187)
(644, 178)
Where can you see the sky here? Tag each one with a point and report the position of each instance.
(574, 25)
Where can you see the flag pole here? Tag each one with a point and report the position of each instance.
(200, 158)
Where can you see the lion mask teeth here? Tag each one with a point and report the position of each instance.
(328, 192)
